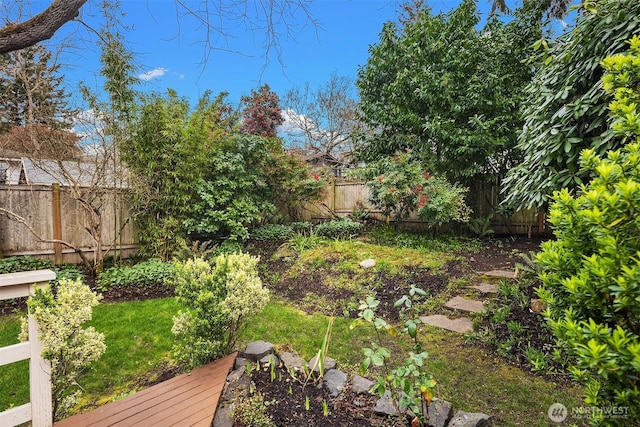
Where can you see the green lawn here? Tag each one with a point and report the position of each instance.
(139, 340)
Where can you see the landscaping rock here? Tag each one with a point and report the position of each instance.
(269, 359)
(537, 305)
(241, 362)
(329, 363)
(460, 325)
(503, 274)
(368, 263)
(384, 406)
(470, 419)
(292, 361)
(485, 288)
(334, 381)
(440, 412)
(462, 304)
(257, 350)
(361, 385)
(223, 415)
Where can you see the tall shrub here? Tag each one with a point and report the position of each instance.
(591, 272)
(219, 298)
(65, 343)
(399, 185)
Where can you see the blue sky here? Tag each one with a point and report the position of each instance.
(170, 51)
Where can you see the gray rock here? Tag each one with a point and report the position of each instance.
(470, 419)
(440, 412)
(361, 385)
(257, 350)
(241, 362)
(329, 363)
(292, 361)
(334, 381)
(235, 389)
(235, 375)
(384, 406)
(269, 359)
(368, 263)
(223, 415)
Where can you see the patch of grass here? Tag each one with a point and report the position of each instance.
(467, 376)
(348, 255)
(138, 337)
(14, 378)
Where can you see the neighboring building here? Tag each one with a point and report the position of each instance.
(322, 160)
(24, 170)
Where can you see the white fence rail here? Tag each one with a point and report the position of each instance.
(39, 409)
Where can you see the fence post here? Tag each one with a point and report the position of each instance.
(57, 222)
(39, 410)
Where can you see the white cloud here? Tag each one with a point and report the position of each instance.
(156, 72)
(293, 121)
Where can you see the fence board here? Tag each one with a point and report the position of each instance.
(35, 204)
(342, 198)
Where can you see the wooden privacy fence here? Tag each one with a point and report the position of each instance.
(343, 198)
(52, 213)
(39, 410)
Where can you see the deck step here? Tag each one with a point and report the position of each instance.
(462, 304)
(460, 325)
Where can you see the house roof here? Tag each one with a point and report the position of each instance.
(66, 173)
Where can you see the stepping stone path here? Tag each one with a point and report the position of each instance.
(502, 274)
(463, 304)
(462, 324)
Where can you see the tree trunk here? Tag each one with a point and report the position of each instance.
(40, 27)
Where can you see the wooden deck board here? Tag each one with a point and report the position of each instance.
(187, 400)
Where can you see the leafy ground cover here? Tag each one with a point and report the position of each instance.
(320, 279)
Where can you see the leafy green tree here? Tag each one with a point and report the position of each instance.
(591, 272)
(565, 107)
(449, 92)
(249, 179)
(168, 156)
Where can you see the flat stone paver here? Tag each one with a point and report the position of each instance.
(485, 288)
(504, 274)
(462, 304)
(460, 325)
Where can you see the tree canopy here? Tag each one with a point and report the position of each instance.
(448, 91)
(565, 108)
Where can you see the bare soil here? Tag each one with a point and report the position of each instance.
(349, 409)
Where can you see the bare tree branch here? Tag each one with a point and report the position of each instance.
(41, 27)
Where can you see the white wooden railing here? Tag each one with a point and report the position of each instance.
(39, 408)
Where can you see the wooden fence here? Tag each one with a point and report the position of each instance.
(343, 198)
(52, 213)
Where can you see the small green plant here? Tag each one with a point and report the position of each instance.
(148, 275)
(307, 403)
(251, 411)
(481, 227)
(515, 327)
(410, 385)
(65, 343)
(537, 359)
(273, 232)
(339, 229)
(323, 352)
(325, 408)
(16, 264)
